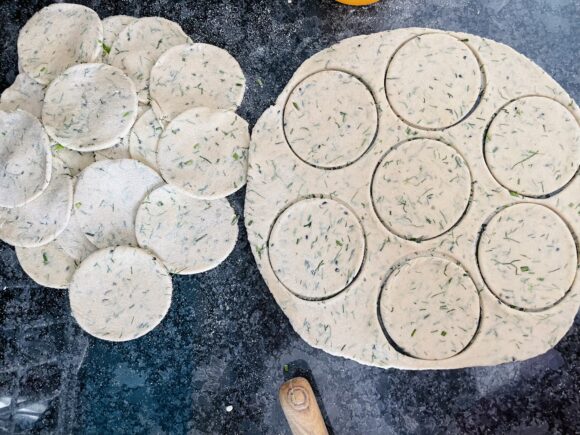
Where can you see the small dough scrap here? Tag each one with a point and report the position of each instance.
(205, 152)
(25, 94)
(73, 240)
(316, 248)
(140, 44)
(106, 199)
(330, 119)
(47, 265)
(532, 146)
(433, 81)
(195, 75)
(421, 189)
(112, 26)
(119, 294)
(90, 107)
(75, 161)
(527, 256)
(430, 308)
(189, 235)
(43, 219)
(144, 137)
(57, 37)
(25, 158)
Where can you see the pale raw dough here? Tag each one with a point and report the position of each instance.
(195, 75)
(118, 151)
(25, 94)
(73, 240)
(47, 265)
(75, 161)
(89, 107)
(532, 146)
(112, 26)
(144, 137)
(188, 235)
(57, 37)
(140, 44)
(106, 199)
(204, 152)
(25, 158)
(120, 294)
(349, 323)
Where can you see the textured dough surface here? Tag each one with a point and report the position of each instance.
(106, 199)
(195, 75)
(144, 137)
(25, 94)
(120, 294)
(349, 323)
(89, 107)
(112, 26)
(57, 37)
(205, 152)
(74, 161)
(47, 265)
(25, 158)
(189, 235)
(73, 241)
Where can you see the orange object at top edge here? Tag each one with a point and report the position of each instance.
(357, 2)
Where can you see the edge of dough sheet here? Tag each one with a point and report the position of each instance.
(504, 334)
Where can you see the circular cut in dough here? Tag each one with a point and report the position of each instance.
(25, 158)
(140, 44)
(205, 152)
(527, 256)
(430, 308)
(433, 81)
(532, 146)
(57, 37)
(106, 199)
(189, 235)
(195, 75)
(144, 137)
(42, 220)
(73, 240)
(25, 94)
(330, 119)
(47, 265)
(89, 107)
(421, 188)
(112, 26)
(316, 248)
(75, 161)
(120, 294)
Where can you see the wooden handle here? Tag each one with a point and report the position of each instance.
(300, 408)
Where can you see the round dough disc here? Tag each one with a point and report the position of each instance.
(120, 294)
(195, 75)
(25, 94)
(532, 146)
(189, 235)
(205, 152)
(47, 265)
(106, 199)
(89, 107)
(316, 248)
(25, 158)
(57, 37)
(330, 119)
(527, 256)
(140, 44)
(433, 81)
(73, 240)
(144, 137)
(112, 26)
(421, 189)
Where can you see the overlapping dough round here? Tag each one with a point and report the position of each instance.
(144, 137)
(25, 94)
(74, 161)
(112, 26)
(47, 265)
(73, 240)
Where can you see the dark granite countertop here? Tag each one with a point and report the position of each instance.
(224, 342)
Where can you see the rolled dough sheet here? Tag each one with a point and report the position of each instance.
(25, 94)
(47, 265)
(120, 294)
(419, 145)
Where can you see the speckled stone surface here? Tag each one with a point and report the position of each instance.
(225, 342)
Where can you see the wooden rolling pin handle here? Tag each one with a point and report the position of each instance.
(300, 408)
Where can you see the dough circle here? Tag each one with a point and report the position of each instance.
(25, 94)
(106, 199)
(73, 241)
(74, 161)
(330, 119)
(120, 294)
(430, 308)
(25, 158)
(112, 27)
(89, 107)
(433, 81)
(532, 146)
(144, 137)
(195, 75)
(47, 265)
(316, 248)
(421, 188)
(188, 235)
(57, 37)
(527, 256)
(205, 152)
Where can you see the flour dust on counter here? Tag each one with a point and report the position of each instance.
(48, 265)
(25, 94)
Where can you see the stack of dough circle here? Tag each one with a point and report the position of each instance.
(413, 203)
